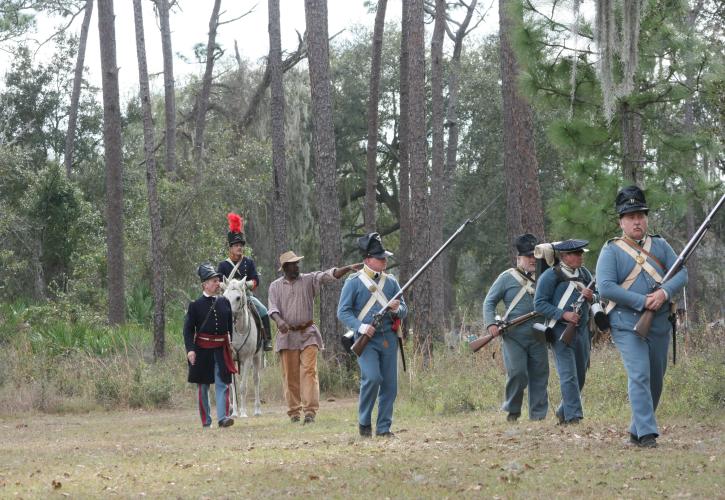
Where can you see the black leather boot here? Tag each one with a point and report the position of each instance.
(266, 334)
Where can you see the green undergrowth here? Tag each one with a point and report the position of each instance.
(50, 362)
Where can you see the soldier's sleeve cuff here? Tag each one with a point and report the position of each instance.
(363, 327)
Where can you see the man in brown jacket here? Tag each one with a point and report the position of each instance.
(291, 300)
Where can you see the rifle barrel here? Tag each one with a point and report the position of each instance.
(645, 320)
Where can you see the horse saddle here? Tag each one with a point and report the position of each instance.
(257, 321)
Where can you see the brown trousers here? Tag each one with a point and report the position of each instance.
(299, 377)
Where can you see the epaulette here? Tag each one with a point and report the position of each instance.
(613, 239)
(654, 236)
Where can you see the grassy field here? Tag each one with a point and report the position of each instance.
(166, 453)
(85, 412)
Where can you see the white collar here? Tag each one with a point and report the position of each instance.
(568, 271)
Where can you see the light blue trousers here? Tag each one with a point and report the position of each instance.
(645, 361)
(258, 305)
(527, 364)
(378, 380)
(222, 399)
(571, 365)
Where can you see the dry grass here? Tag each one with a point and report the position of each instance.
(166, 453)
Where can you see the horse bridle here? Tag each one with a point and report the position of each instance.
(249, 327)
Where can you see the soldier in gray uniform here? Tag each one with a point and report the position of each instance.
(524, 350)
(627, 271)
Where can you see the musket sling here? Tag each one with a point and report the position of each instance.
(640, 264)
(526, 287)
(573, 285)
(376, 294)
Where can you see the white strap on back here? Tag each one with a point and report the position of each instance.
(640, 264)
(526, 287)
(376, 293)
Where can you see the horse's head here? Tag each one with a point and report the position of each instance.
(234, 291)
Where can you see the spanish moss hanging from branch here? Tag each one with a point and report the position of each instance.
(628, 54)
(606, 39)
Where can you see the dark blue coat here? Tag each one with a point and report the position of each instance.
(218, 321)
(246, 268)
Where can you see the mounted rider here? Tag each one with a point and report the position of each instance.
(246, 270)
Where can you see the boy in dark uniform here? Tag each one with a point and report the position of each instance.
(246, 270)
(207, 332)
(557, 289)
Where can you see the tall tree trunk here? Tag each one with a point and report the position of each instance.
(114, 165)
(326, 163)
(632, 144)
(420, 236)
(454, 70)
(202, 101)
(437, 204)
(36, 256)
(279, 188)
(693, 290)
(169, 90)
(157, 261)
(373, 100)
(76, 93)
(524, 209)
(404, 153)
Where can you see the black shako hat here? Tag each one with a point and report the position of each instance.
(630, 199)
(206, 271)
(570, 246)
(525, 244)
(372, 246)
(236, 229)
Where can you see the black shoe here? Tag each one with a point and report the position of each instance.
(266, 334)
(226, 422)
(388, 435)
(648, 441)
(309, 419)
(366, 431)
(633, 439)
(560, 418)
(294, 419)
(513, 417)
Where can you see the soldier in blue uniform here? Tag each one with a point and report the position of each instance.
(207, 331)
(628, 269)
(524, 350)
(557, 289)
(364, 294)
(246, 270)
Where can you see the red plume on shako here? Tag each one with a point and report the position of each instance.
(236, 229)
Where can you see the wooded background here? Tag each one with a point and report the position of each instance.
(408, 129)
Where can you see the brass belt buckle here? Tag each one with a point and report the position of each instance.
(640, 260)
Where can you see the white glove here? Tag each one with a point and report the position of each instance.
(250, 284)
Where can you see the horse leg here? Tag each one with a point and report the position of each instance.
(243, 392)
(235, 403)
(258, 357)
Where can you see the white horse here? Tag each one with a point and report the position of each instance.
(244, 346)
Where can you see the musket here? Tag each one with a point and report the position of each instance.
(567, 336)
(481, 342)
(645, 320)
(359, 346)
